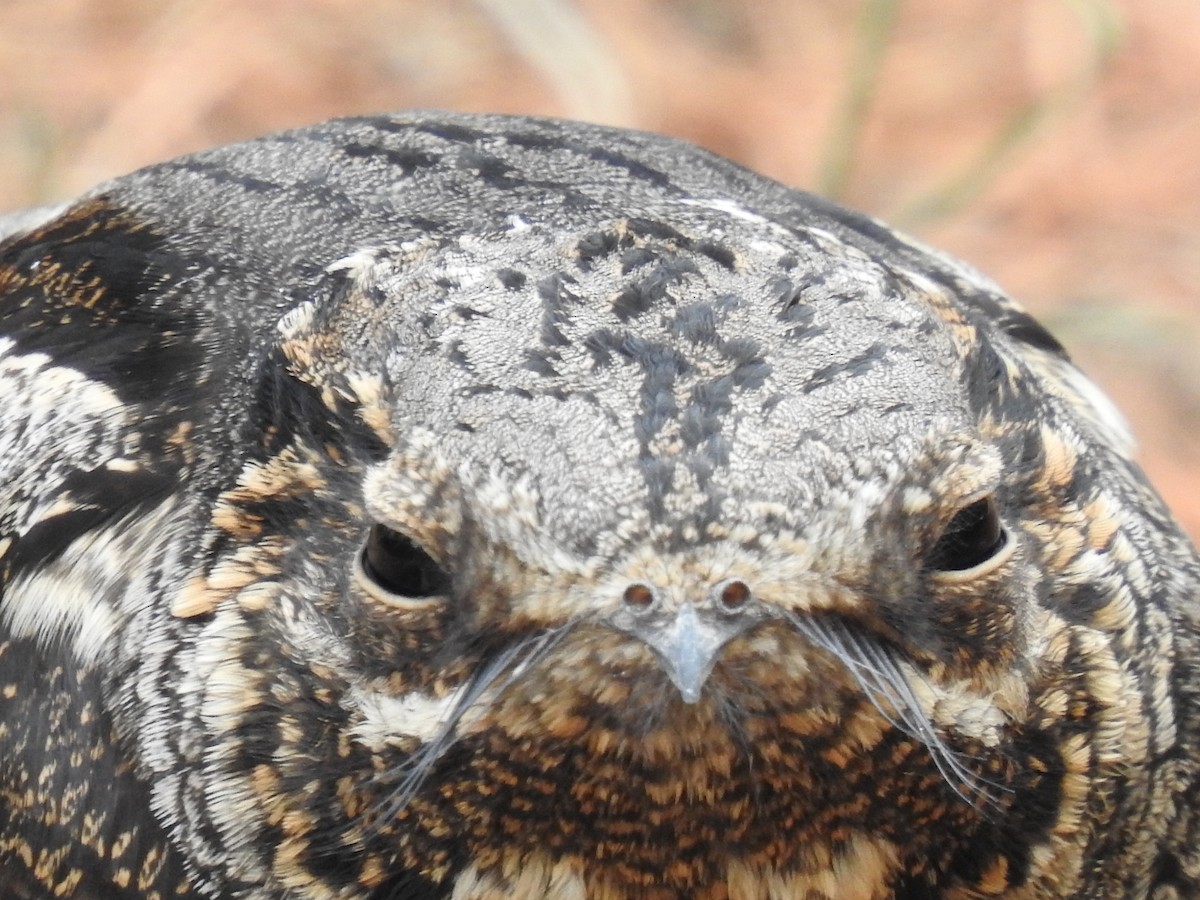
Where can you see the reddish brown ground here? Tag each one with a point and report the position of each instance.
(1092, 218)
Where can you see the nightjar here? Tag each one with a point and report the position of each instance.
(450, 506)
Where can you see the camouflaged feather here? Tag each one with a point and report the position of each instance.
(676, 457)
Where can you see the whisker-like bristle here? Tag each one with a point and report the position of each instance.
(887, 687)
(961, 778)
(516, 659)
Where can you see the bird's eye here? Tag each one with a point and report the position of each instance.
(970, 539)
(400, 567)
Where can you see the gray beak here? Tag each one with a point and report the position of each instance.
(688, 642)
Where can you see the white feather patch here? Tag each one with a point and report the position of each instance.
(74, 598)
(414, 715)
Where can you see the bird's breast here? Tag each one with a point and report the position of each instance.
(592, 776)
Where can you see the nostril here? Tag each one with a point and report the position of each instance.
(639, 596)
(734, 595)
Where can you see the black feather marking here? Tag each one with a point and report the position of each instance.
(410, 885)
(511, 279)
(659, 230)
(638, 298)
(220, 174)
(447, 131)
(718, 253)
(632, 167)
(458, 356)
(101, 497)
(540, 362)
(1027, 330)
(857, 365)
(602, 344)
(57, 725)
(631, 302)
(636, 257)
(490, 169)
(984, 377)
(696, 322)
(557, 299)
(595, 246)
(406, 159)
(90, 290)
(288, 410)
(861, 225)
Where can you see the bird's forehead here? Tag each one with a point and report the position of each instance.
(641, 374)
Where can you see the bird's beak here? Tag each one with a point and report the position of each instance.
(688, 643)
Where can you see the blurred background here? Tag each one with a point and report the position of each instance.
(1055, 144)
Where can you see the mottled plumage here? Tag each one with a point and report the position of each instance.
(457, 506)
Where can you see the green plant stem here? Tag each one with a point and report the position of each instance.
(874, 32)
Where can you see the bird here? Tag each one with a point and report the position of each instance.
(445, 505)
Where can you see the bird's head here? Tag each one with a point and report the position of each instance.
(690, 554)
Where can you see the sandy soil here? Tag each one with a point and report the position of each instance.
(1056, 145)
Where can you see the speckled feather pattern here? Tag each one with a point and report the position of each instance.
(562, 360)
